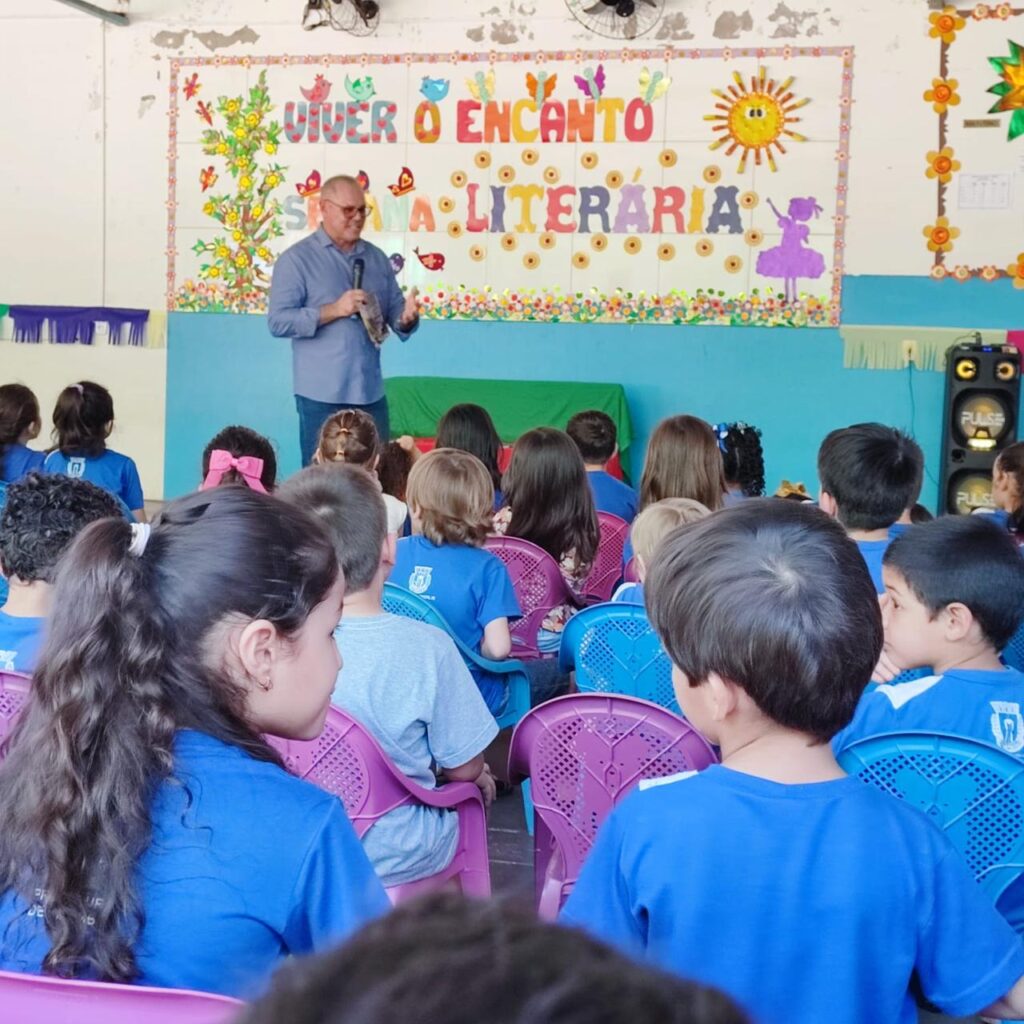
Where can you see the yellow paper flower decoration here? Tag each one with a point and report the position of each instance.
(942, 94)
(945, 24)
(941, 165)
(940, 235)
(1016, 271)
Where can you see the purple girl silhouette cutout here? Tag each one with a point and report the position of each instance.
(791, 259)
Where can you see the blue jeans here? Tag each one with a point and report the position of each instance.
(313, 413)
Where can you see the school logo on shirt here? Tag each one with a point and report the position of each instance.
(7, 661)
(419, 581)
(76, 467)
(1007, 726)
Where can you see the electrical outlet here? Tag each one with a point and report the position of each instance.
(909, 351)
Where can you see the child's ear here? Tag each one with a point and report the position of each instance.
(828, 505)
(959, 620)
(723, 697)
(388, 549)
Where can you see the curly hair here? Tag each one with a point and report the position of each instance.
(42, 516)
(450, 493)
(241, 441)
(742, 457)
(125, 665)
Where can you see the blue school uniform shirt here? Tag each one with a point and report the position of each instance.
(806, 903)
(613, 496)
(110, 470)
(17, 461)
(469, 586)
(407, 683)
(20, 640)
(247, 865)
(872, 551)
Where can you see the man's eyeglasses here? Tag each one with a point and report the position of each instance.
(349, 211)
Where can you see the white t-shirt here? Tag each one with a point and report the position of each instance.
(407, 683)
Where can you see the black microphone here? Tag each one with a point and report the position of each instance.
(357, 273)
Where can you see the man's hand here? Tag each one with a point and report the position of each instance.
(411, 310)
(350, 302)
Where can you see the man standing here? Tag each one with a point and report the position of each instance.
(321, 290)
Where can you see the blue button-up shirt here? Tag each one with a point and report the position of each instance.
(333, 362)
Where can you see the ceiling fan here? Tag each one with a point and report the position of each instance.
(617, 19)
(357, 17)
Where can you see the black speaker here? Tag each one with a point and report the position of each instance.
(980, 420)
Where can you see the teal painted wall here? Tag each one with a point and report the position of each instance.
(789, 382)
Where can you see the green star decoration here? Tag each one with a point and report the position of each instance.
(1010, 89)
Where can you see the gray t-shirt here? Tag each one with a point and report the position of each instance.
(406, 682)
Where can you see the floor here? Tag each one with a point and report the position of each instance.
(511, 849)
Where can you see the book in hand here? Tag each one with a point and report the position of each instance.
(373, 319)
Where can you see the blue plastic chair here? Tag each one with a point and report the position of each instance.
(613, 649)
(1013, 652)
(399, 601)
(973, 792)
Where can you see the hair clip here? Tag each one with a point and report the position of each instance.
(722, 434)
(79, 388)
(140, 538)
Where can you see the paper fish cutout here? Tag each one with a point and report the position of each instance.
(311, 186)
(481, 86)
(404, 185)
(591, 83)
(361, 89)
(319, 92)
(435, 89)
(204, 112)
(431, 260)
(540, 87)
(192, 85)
(654, 86)
(364, 181)
(397, 261)
(207, 178)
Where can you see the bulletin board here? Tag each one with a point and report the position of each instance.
(977, 165)
(663, 186)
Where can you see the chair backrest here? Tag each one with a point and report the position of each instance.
(607, 569)
(614, 649)
(398, 601)
(347, 761)
(44, 1000)
(538, 584)
(629, 573)
(973, 792)
(14, 688)
(1013, 653)
(583, 753)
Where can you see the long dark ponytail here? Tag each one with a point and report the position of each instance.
(129, 661)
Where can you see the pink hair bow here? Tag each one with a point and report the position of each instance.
(248, 467)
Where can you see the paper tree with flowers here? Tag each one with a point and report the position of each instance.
(236, 273)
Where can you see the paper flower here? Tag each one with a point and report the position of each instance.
(980, 12)
(938, 272)
(945, 24)
(942, 94)
(1003, 11)
(989, 273)
(940, 235)
(941, 165)
(1016, 271)
(962, 273)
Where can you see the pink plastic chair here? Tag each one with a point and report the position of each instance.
(583, 753)
(607, 569)
(30, 999)
(629, 574)
(539, 586)
(14, 688)
(347, 761)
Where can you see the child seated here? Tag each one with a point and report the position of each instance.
(870, 475)
(450, 500)
(1008, 490)
(20, 423)
(742, 461)
(593, 432)
(469, 428)
(238, 455)
(83, 419)
(652, 526)
(393, 469)
(805, 894)
(350, 437)
(42, 516)
(148, 832)
(683, 461)
(404, 680)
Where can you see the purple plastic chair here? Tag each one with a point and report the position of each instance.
(607, 568)
(14, 688)
(31, 999)
(539, 586)
(347, 761)
(583, 753)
